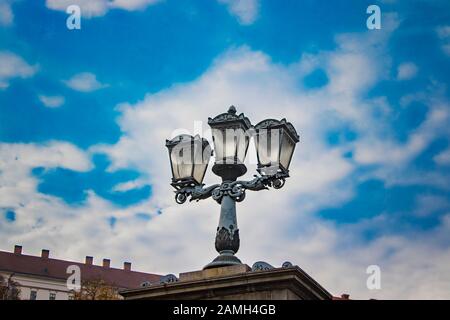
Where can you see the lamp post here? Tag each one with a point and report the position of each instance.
(189, 156)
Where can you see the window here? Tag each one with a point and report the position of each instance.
(33, 294)
(52, 296)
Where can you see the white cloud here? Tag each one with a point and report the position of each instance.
(129, 185)
(6, 13)
(17, 187)
(406, 71)
(427, 204)
(52, 154)
(52, 101)
(97, 8)
(89, 8)
(446, 48)
(321, 176)
(13, 66)
(132, 4)
(393, 154)
(443, 158)
(84, 82)
(443, 33)
(246, 11)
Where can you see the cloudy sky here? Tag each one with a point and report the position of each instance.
(84, 115)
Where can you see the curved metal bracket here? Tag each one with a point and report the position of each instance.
(234, 189)
(194, 192)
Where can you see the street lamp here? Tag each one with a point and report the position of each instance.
(231, 137)
(275, 143)
(189, 156)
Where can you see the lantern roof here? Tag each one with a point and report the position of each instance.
(273, 124)
(229, 118)
(185, 138)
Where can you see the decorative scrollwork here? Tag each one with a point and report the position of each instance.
(146, 284)
(261, 266)
(227, 240)
(170, 278)
(278, 183)
(217, 194)
(180, 197)
(233, 189)
(230, 116)
(200, 193)
(194, 192)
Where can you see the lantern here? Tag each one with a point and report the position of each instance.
(189, 157)
(231, 138)
(275, 143)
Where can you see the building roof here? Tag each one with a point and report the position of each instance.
(44, 266)
(343, 296)
(236, 282)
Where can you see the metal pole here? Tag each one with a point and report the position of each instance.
(227, 236)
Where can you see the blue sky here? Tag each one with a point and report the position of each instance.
(84, 114)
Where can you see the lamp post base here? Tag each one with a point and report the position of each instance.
(226, 258)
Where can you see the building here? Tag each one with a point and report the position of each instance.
(45, 278)
(236, 282)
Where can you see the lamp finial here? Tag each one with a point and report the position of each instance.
(232, 110)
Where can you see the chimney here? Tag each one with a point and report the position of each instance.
(127, 266)
(45, 253)
(17, 249)
(89, 260)
(345, 296)
(106, 263)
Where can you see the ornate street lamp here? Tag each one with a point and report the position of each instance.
(230, 134)
(189, 157)
(275, 144)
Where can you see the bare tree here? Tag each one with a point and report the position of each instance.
(9, 288)
(96, 289)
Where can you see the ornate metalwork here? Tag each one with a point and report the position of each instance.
(194, 192)
(227, 239)
(234, 189)
(230, 117)
(146, 284)
(287, 264)
(272, 123)
(170, 278)
(261, 266)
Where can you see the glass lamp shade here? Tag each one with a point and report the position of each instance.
(189, 157)
(275, 143)
(230, 136)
